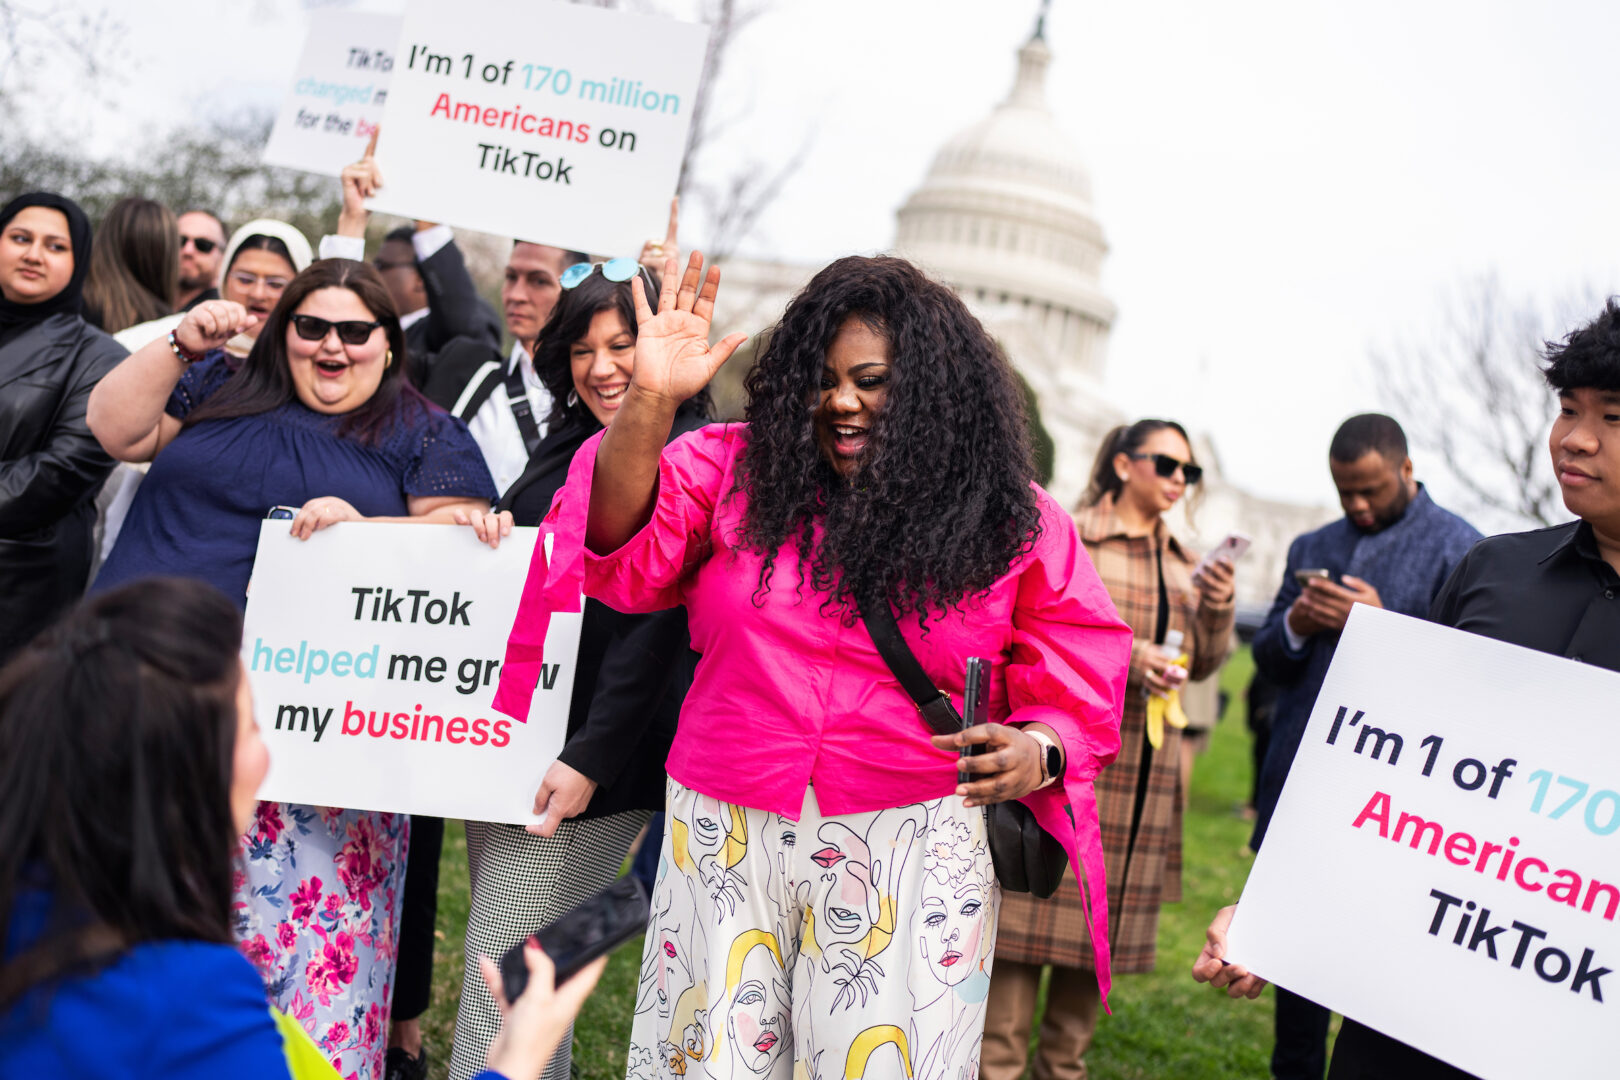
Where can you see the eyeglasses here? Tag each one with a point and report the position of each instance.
(203, 245)
(350, 331)
(245, 281)
(620, 269)
(1165, 466)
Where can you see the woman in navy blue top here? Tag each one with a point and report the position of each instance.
(309, 420)
(129, 760)
(318, 417)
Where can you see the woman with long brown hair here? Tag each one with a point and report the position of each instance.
(1141, 471)
(134, 267)
(318, 417)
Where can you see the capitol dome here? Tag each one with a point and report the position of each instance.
(1005, 217)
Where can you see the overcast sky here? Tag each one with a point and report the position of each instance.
(1285, 186)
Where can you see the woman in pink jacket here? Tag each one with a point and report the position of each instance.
(826, 894)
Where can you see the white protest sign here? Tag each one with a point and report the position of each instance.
(558, 123)
(1444, 863)
(373, 651)
(338, 95)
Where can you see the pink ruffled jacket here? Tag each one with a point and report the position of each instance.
(786, 696)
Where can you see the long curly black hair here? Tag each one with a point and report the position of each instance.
(942, 503)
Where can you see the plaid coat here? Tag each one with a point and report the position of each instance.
(1054, 931)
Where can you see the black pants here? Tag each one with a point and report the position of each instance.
(1364, 1054)
(418, 911)
(1300, 1051)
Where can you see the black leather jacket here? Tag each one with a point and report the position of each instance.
(50, 470)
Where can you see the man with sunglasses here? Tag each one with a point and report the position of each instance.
(1393, 548)
(202, 250)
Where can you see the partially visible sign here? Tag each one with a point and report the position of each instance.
(1444, 863)
(558, 123)
(373, 651)
(338, 95)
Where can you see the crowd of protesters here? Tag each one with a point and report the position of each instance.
(823, 888)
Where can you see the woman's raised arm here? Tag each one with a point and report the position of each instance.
(674, 361)
(125, 412)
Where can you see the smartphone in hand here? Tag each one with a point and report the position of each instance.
(975, 701)
(1232, 547)
(596, 927)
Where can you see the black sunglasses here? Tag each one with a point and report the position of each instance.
(350, 331)
(1165, 465)
(203, 245)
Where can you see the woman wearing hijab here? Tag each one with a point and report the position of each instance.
(50, 464)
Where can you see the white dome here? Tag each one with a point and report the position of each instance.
(1005, 216)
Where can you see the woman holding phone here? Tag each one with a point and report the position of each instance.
(116, 952)
(1141, 471)
(825, 892)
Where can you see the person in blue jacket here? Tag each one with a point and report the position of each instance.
(130, 764)
(1393, 549)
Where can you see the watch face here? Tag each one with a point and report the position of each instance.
(1054, 761)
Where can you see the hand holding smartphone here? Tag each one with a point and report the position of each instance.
(1232, 547)
(596, 927)
(975, 703)
(1305, 577)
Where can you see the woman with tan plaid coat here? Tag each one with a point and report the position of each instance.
(1141, 471)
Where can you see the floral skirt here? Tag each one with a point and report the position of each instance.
(317, 911)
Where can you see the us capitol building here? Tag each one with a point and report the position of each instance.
(1005, 217)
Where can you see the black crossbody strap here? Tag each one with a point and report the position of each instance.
(934, 704)
(518, 398)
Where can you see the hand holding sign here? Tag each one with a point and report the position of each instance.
(361, 181)
(655, 253)
(563, 794)
(209, 325)
(674, 359)
(1211, 965)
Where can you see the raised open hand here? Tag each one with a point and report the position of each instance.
(674, 359)
(211, 324)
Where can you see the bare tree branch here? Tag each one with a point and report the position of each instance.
(1485, 407)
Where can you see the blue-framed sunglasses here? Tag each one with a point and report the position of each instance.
(621, 269)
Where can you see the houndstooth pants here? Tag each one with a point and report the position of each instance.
(521, 882)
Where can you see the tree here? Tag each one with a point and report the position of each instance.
(1473, 393)
(731, 201)
(214, 167)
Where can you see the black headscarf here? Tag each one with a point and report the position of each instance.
(14, 317)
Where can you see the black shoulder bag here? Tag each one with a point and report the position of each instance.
(1027, 858)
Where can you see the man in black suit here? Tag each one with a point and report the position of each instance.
(425, 273)
(438, 302)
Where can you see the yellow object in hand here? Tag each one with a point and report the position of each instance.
(1165, 707)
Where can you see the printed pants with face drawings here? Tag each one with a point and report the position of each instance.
(831, 948)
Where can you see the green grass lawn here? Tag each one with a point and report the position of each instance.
(1163, 1025)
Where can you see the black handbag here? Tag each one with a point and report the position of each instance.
(1027, 858)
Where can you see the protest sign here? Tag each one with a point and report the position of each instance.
(373, 651)
(557, 123)
(338, 94)
(1442, 863)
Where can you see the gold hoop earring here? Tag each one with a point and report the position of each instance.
(388, 358)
